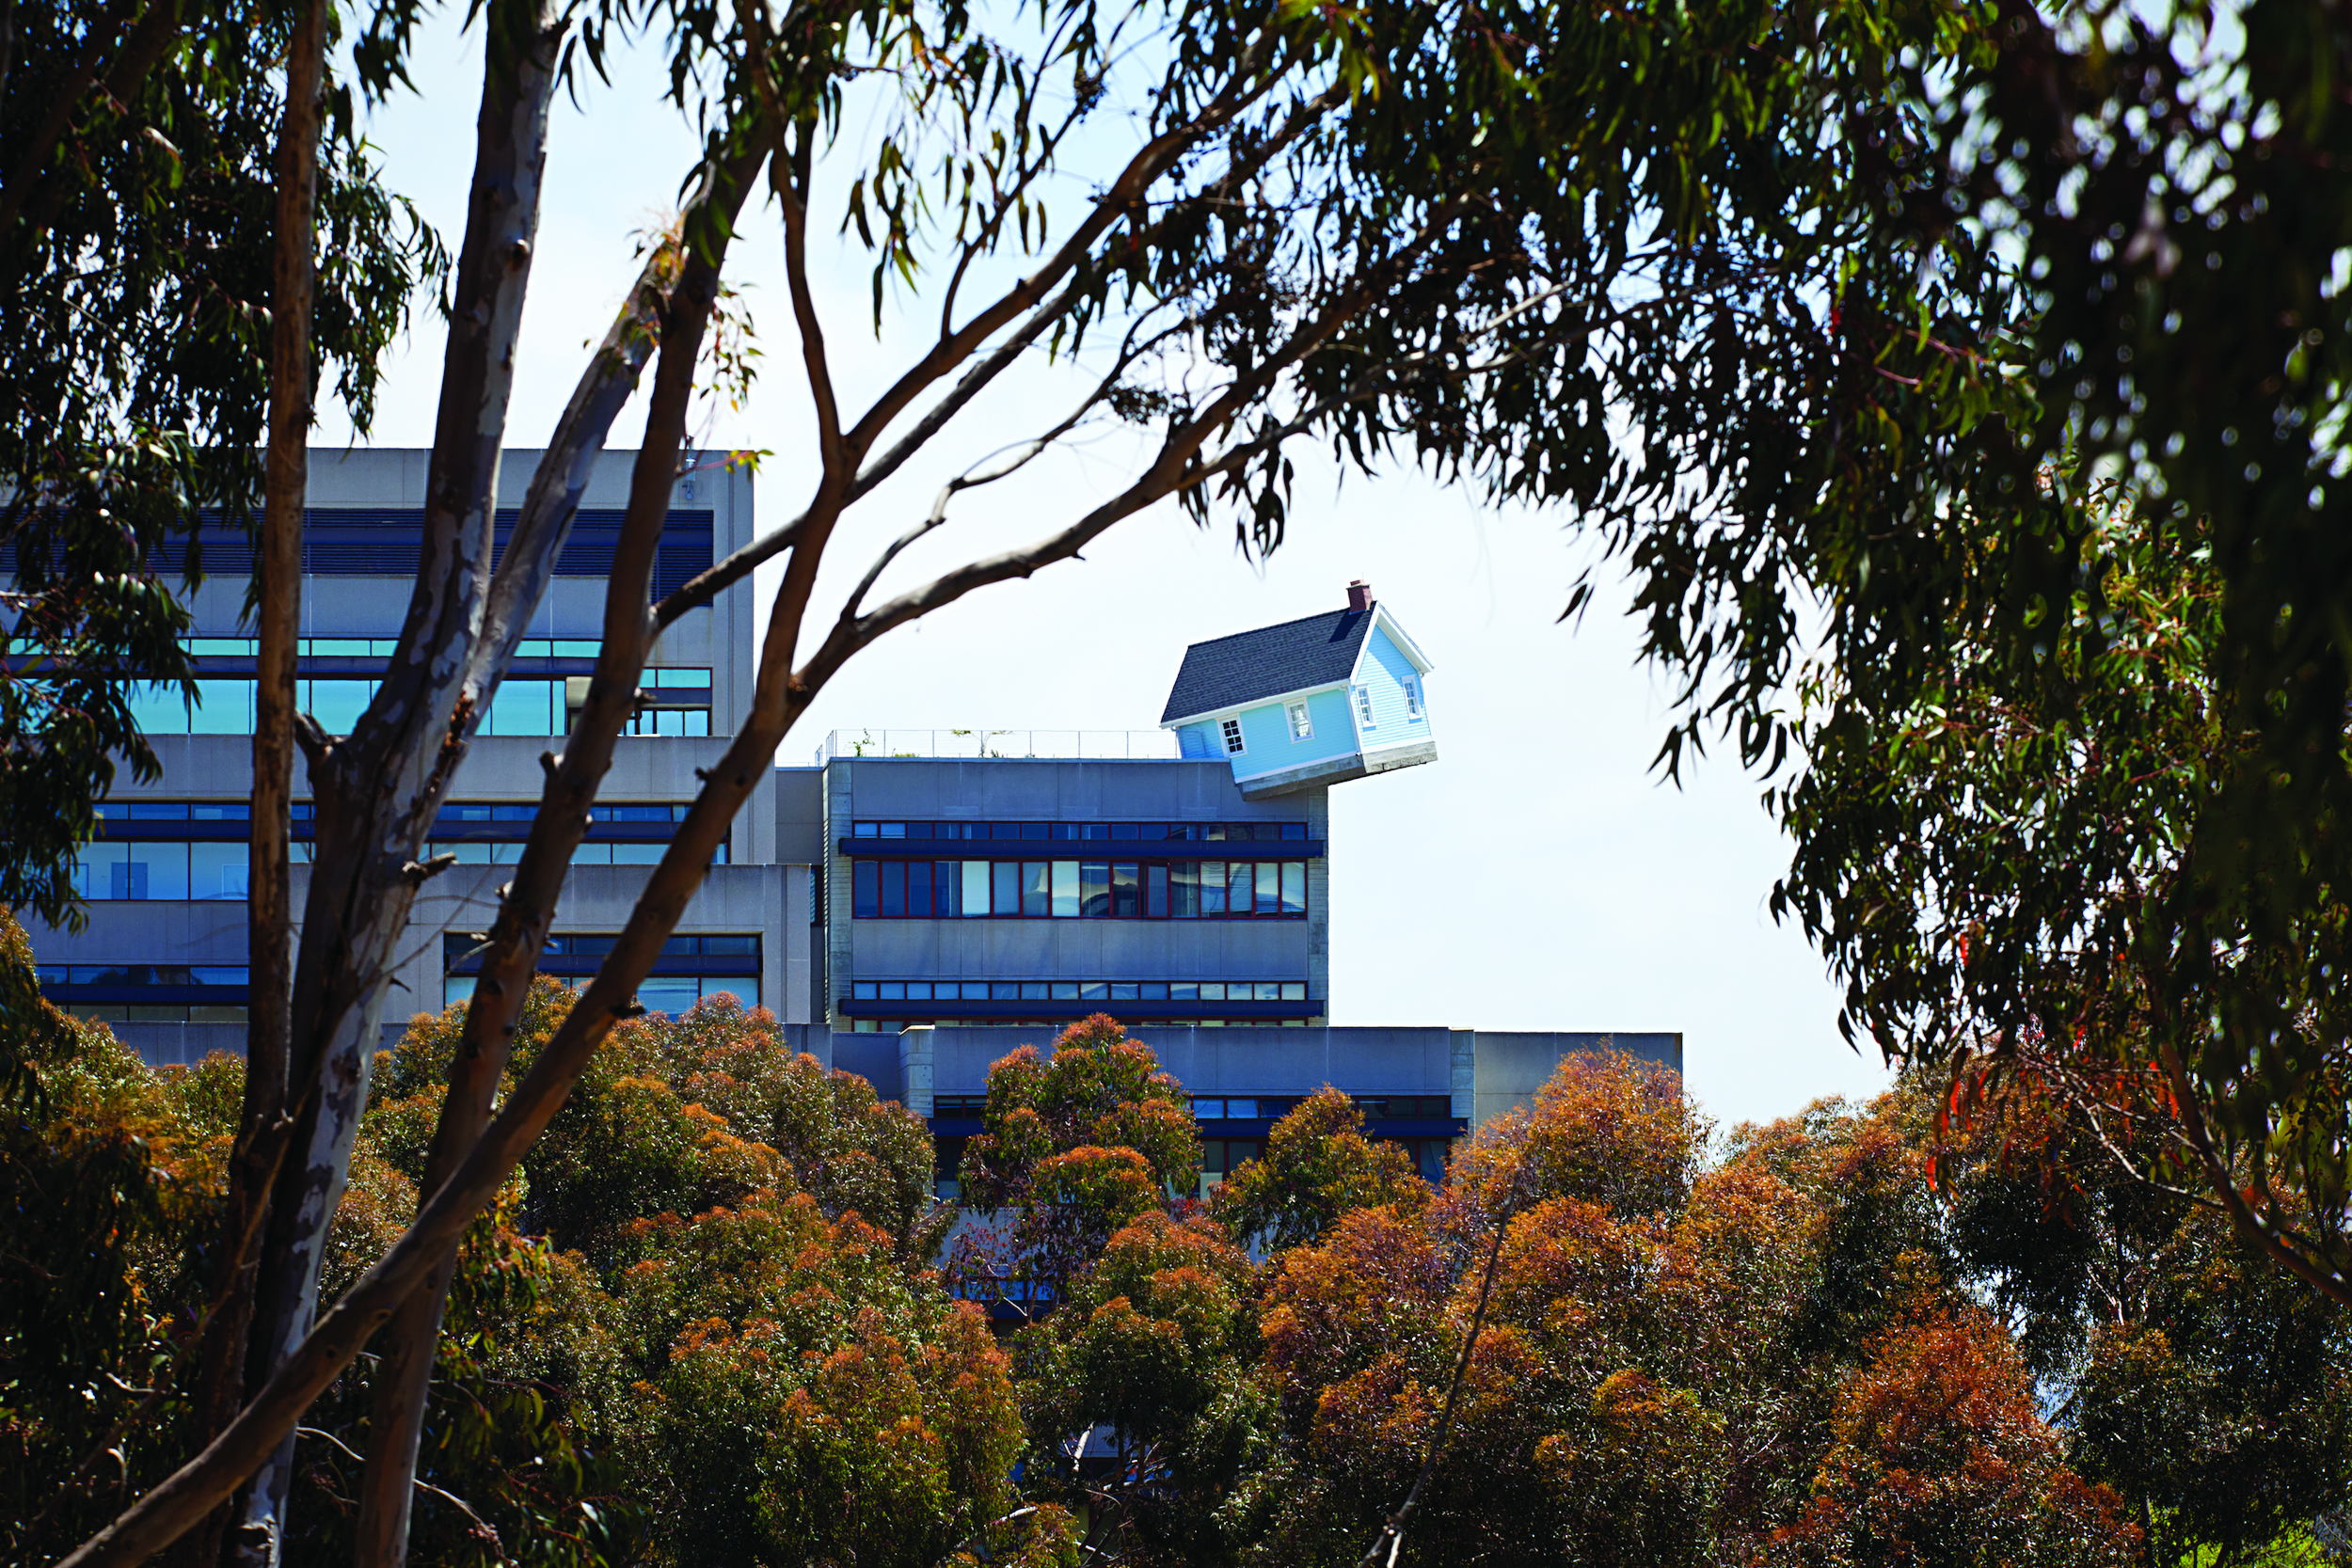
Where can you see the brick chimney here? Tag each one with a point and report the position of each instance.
(1360, 595)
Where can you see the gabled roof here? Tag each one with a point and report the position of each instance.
(1251, 666)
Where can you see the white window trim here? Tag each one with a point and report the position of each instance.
(1360, 695)
(1229, 737)
(1413, 699)
(1300, 720)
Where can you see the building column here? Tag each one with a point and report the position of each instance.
(915, 1069)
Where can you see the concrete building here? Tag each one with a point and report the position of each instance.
(910, 906)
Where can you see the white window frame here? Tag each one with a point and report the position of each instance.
(1301, 721)
(1229, 731)
(1363, 708)
(1412, 698)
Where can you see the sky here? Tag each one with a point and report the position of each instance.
(1540, 875)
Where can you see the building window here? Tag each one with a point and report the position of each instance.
(1412, 698)
(1233, 737)
(1031, 832)
(690, 968)
(1302, 722)
(1363, 706)
(1076, 889)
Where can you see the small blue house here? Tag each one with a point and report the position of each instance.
(1314, 702)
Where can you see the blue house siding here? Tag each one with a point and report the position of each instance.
(1384, 672)
(1265, 730)
(1198, 740)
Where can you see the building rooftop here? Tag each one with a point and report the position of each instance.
(1253, 666)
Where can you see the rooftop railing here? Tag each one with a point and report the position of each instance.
(1130, 744)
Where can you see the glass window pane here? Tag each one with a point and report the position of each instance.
(975, 991)
(217, 870)
(1183, 990)
(593, 854)
(864, 879)
(156, 871)
(1184, 893)
(1237, 882)
(742, 988)
(1126, 888)
(975, 888)
(1155, 891)
(159, 710)
(893, 890)
(1212, 991)
(920, 903)
(623, 854)
(223, 707)
(1065, 990)
(1094, 889)
(1037, 892)
(338, 705)
(456, 989)
(668, 993)
(97, 869)
(1211, 887)
(1065, 889)
(1005, 876)
(1294, 887)
(949, 888)
(1269, 887)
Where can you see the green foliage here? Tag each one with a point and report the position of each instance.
(133, 370)
(1077, 1145)
(1317, 1165)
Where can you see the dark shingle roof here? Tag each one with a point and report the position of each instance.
(1251, 666)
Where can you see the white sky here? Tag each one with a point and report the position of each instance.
(1538, 876)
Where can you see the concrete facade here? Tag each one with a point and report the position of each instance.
(163, 961)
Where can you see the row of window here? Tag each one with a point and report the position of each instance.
(203, 872)
(1055, 1025)
(385, 647)
(522, 812)
(1393, 1107)
(1078, 990)
(157, 1012)
(1078, 890)
(1228, 833)
(521, 707)
(1299, 721)
(141, 976)
(656, 993)
(455, 948)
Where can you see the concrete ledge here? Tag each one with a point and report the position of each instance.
(1339, 769)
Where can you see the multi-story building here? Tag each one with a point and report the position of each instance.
(910, 907)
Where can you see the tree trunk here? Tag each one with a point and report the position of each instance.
(510, 155)
(278, 565)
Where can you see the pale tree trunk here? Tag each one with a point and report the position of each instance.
(278, 565)
(493, 272)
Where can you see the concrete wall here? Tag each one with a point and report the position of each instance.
(752, 893)
(1486, 1073)
(1512, 1066)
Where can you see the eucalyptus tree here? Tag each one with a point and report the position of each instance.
(2074, 777)
(137, 180)
(1489, 241)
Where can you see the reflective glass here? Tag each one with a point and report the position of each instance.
(1183, 894)
(222, 707)
(338, 705)
(1269, 887)
(1094, 889)
(975, 888)
(668, 993)
(1007, 877)
(155, 871)
(1294, 887)
(159, 710)
(1126, 888)
(1211, 887)
(1037, 894)
(744, 989)
(1065, 889)
(217, 870)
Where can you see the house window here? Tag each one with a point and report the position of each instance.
(1233, 737)
(1302, 722)
(1412, 698)
(1363, 706)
